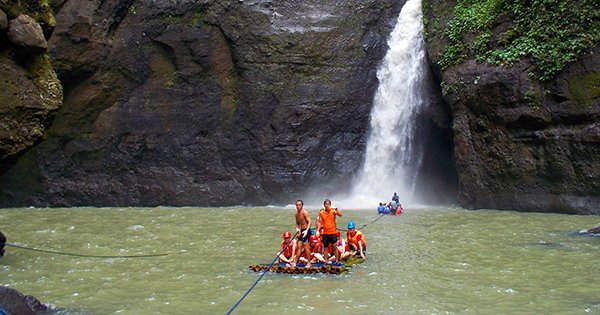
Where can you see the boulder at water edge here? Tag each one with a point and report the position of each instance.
(2, 243)
(14, 302)
(595, 230)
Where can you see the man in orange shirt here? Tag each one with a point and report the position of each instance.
(326, 220)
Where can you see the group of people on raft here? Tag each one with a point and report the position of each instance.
(393, 207)
(325, 245)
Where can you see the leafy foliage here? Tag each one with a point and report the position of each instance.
(549, 32)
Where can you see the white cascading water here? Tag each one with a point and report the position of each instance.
(392, 159)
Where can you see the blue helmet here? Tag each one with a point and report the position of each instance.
(351, 224)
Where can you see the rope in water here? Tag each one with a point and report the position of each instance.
(271, 264)
(261, 275)
(84, 255)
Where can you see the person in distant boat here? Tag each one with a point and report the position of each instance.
(287, 249)
(2, 243)
(397, 207)
(303, 224)
(356, 240)
(399, 210)
(326, 220)
(381, 209)
(393, 206)
(396, 198)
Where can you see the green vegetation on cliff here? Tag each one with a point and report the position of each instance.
(551, 33)
(40, 10)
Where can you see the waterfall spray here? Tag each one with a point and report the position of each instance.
(392, 155)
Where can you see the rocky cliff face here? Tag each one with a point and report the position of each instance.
(31, 92)
(205, 102)
(521, 143)
(257, 101)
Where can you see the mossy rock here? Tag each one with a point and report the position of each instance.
(585, 89)
(40, 10)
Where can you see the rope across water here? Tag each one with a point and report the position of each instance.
(83, 255)
(365, 225)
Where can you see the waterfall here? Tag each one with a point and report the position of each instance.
(392, 156)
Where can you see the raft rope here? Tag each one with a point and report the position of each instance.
(261, 275)
(84, 255)
(365, 225)
(276, 257)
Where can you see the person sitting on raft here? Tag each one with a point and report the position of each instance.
(287, 251)
(396, 198)
(397, 207)
(357, 242)
(342, 247)
(315, 255)
(399, 210)
(382, 209)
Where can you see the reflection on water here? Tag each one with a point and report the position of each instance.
(426, 261)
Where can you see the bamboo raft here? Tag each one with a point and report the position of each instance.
(315, 268)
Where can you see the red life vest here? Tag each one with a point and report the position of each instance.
(289, 250)
(317, 248)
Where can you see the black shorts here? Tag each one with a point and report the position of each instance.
(304, 239)
(328, 239)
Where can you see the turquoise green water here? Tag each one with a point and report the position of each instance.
(426, 261)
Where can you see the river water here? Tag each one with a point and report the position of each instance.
(426, 261)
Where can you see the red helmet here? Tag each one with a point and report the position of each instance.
(313, 238)
(287, 234)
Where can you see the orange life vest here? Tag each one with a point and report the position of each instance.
(328, 220)
(358, 237)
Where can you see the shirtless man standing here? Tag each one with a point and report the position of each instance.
(303, 229)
